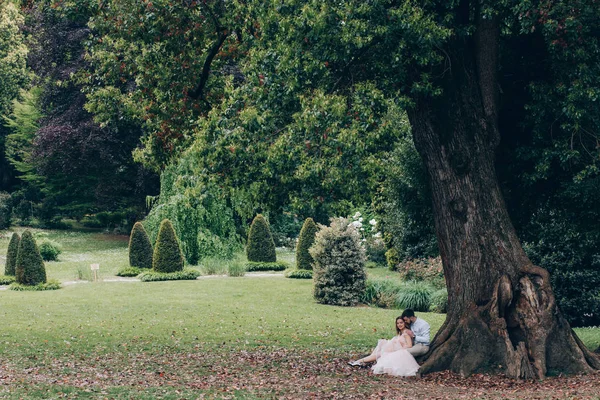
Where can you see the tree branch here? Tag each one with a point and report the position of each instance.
(198, 92)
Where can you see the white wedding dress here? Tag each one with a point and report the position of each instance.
(393, 358)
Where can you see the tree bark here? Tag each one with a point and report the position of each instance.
(502, 314)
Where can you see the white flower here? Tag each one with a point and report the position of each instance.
(357, 215)
(360, 219)
(356, 224)
(377, 235)
(362, 229)
(373, 222)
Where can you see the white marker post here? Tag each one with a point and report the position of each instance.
(95, 268)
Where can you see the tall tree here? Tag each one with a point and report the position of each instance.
(13, 75)
(443, 59)
(84, 167)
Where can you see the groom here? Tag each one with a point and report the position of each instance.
(420, 333)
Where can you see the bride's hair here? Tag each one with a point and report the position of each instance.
(406, 326)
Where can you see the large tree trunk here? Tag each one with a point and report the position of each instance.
(502, 312)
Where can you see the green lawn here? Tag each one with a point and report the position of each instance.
(187, 328)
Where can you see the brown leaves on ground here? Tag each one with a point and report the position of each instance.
(282, 373)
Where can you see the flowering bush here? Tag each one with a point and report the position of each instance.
(423, 269)
(371, 237)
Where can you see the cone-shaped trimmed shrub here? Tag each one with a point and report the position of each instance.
(30, 269)
(306, 239)
(140, 248)
(339, 264)
(167, 255)
(261, 247)
(11, 254)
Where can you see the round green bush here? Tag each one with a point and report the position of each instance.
(339, 264)
(167, 255)
(30, 269)
(140, 248)
(298, 273)
(306, 239)
(11, 254)
(261, 247)
(415, 295)
(49, 250)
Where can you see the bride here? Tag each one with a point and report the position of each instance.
(391, 355)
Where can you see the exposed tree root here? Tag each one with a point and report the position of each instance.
(519, 331)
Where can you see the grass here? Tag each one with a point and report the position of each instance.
(82, 330)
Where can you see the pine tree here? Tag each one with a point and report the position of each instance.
(261, 247)
(140, 248)
(167, 253)
(30, 269)
(306, 239)
(11, 254)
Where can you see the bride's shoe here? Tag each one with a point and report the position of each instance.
(356, 363)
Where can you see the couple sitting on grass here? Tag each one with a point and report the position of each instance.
(397, 355)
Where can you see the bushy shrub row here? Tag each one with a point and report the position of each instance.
(6, 279)
(266, 266)
(153, 276)
(50, 285)
(298, 273)
(392, 293)
(130, 271)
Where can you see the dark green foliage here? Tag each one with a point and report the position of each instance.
(49, 250)
(6, 279)
(298, 274)
(167, 255)
(5, 210)
(253, 266)
(11, 254)
(30, 269)
(52, 284)
(568, 248)
(404, 206)
(260, 247)
(439, 301)
(415, 295)
(339, 264)
(305, 240)
(183, 275)
(129, 271)
(140, 248)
